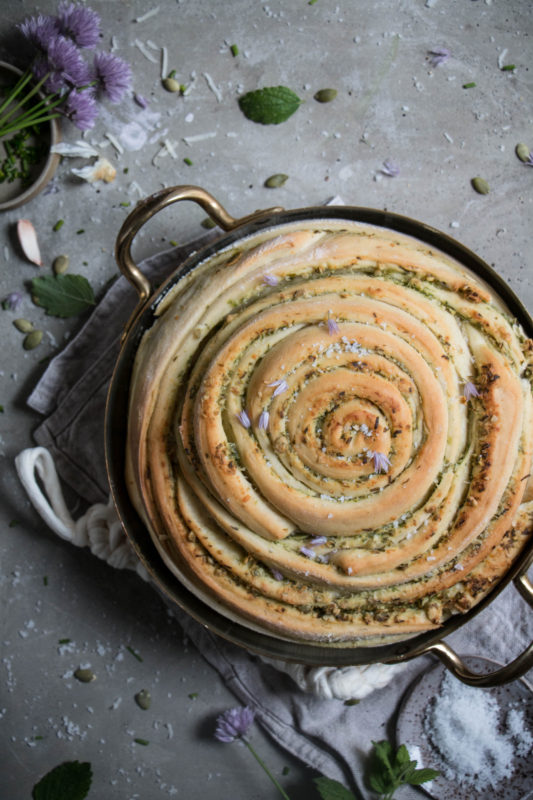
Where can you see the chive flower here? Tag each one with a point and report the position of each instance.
(39, 31)
(438, 56)
(333, 328)
(390, 168)
(244, 419)
(469, 391)
(270, 280)
(79, 23)
(234, 724)
(112, 76)
(281, 386)
(263, 420)
(81, 109)
(381, 462)
(12, 301)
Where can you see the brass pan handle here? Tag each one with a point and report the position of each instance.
(510, 672)
(145, 210)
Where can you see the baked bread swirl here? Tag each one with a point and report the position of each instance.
(330, 433)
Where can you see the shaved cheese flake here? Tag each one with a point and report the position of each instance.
(144, 50)
(147, 15)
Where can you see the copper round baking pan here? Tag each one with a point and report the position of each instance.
(116, 430)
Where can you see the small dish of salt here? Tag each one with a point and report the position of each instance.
(481, 740)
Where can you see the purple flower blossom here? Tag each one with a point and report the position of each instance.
(333, 328)
(80, 108)
(381, 462)
(306, 551)
(234, 724)
(244, 419)
(12, 301)
(263, 420)
(79, 23)
(390, 169)
(64, 63)
(112, 75)
(469, 391)
(140, 100)
(39, 31)
(281, 386)
(270, 280)
(438, 56)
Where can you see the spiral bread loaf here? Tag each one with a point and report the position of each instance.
(330, 434)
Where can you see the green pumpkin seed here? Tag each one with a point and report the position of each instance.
(84, 675)
(143, 699)
(275, 181)
(208, 223)
(480, 185)
(60, 264)
(522, 151)
(325, 95)
(23, 325)
(32, 340)
(171, 85)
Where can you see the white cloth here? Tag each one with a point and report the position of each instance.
(101, 530)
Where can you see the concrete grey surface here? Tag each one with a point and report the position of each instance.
(391, 104)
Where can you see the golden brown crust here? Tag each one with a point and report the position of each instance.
(300, 444)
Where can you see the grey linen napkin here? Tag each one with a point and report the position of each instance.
(327, 735)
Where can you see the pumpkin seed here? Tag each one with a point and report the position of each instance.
(325, 95)
(143, 699)
(480, 185)
(32, 340)
(84, 675)
(275, 181)
(522, 151)
(60, 264)
(23, 325)
(171, 85)
(208, 223)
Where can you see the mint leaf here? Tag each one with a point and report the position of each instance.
(422, 775)
(269, 106)
(68, 781)
(63, 295)
(332, 790)
(402, 756)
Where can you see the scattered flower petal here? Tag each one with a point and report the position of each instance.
(438, 56)
(276, 574)
(140, 100)
(28, 241)
(306, 551)
(381, 462)
(263, 420)
(244, 419)
(233, 724)
(270, 280)
(529, 161)
(333, 328)
(112, 75)
(12, 301)
(470, 391)
(318, 540)
(79, 23)
(390, 168)
(281, 386)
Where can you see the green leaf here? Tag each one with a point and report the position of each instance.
(422, 775)
(269, 106)
(63, 295)
(402, 756)
(68, 781)
(332, 790)
(379, 783)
